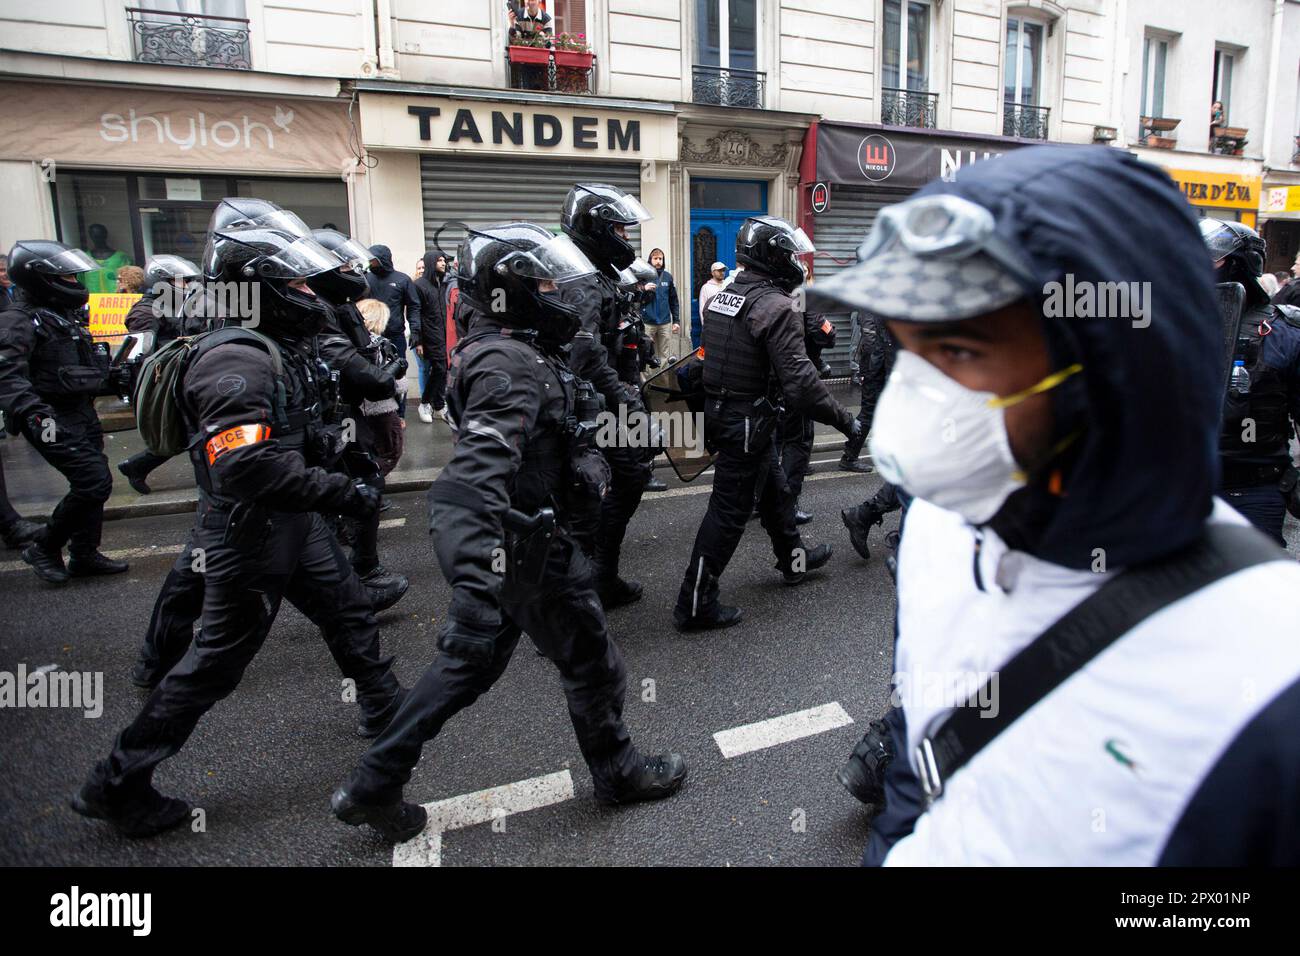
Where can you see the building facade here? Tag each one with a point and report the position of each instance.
(399, 120)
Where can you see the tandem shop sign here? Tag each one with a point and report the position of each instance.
(434, 123)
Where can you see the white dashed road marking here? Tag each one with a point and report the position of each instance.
(484, 806)
(781, 730)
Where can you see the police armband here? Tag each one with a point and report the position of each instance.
(240, 436)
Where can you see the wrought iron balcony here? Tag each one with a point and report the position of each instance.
(908, 108)
(189, 39)
(1027, 122)
(551, 70)
(723, 86)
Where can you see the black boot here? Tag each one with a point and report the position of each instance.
(721, 616)
(802, 517)
(396, 822)
(143, 813)
(813, 559)
(383, 587)
(655, 484)
(616, 592)
(859, 521)
(656, 778)
(856, 464)
(21, 532)
(48, 564)
(863, 774)
(91, 564)
(134, 476)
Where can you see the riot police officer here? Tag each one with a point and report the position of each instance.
(797, 428)
(161, 314)
(346, 351)
(754, 363)
(50, 373)
(252, 401)
(596, 217)
(875, 359)
(500, 516)
(1258, 414)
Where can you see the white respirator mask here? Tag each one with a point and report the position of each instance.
(946, 443)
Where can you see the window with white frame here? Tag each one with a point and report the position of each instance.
(1023, 63)
(1155, 60)
(905, 54)
(1224, 60)
(726, 34)
(568, 16)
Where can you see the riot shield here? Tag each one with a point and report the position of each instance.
(674, 397)
(1232, 301)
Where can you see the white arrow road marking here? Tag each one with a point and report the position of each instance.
(781, 730)
(470, 809)
(127, 554)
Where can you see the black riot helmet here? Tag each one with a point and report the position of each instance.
(347, 283)
(596, 217)
(168, 268)
(501, 270)
(272, 262)
(1237, 243)
(47, 271)
(234, 212)
(773, 247)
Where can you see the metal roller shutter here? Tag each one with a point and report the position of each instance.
(480, 191)
(837, 233)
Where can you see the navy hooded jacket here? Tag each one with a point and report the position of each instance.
(397, 291)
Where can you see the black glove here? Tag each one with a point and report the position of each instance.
(397, 368)
(34, 426)
(361, 501)
(854, 429)
(471, 641)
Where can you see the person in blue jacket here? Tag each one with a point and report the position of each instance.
(662, 313)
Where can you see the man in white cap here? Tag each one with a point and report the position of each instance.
(711, 288)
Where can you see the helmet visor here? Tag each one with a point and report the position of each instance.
(281, 219)
(797, 243)
(352, 252)
(174, 267)
(281, 256)
(624, 209)
(66, 262)
(1218, 238)
(557, 259)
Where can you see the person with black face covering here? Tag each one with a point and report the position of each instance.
(521, 467)
(253, 400)
(755, 365)
(1260, 414)
(432, 288)
(596, 217)
(50, 374)
(397, 291)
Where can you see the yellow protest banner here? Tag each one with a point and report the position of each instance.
(108, 313)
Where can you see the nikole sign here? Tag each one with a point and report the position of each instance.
(431, 123)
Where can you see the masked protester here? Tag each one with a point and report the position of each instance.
(597, 217)
(756, 367)
(432, 287)
(397, 291)
(1263, 401)
(522, 462)
(1065, 546)
(258, 535)
(50, 373)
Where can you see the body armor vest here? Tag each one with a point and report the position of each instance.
(65, 364)
(545, 469)
(735, 363)
(1266, 405)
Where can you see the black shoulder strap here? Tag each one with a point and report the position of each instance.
(1086, 630)
(237, 333)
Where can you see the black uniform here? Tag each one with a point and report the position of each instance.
(180, 601)
(510, 400)
(797, 428)
(596, 296)
(257, 539)
(50, 374)
(1257, 427)
(432, 290)
(754, 361)
(875, 360)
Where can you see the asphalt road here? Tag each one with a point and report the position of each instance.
(262, 764)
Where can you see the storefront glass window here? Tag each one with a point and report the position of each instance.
(322, 203)
(183, 188)
(726, 194)
(94, 214)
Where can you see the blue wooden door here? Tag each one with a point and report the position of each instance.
(718, 209)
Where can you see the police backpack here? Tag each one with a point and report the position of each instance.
(156, 396)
